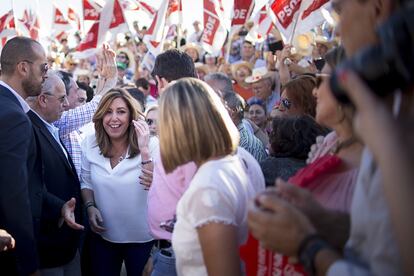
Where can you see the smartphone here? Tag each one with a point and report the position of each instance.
(276, 46)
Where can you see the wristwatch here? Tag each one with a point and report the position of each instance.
(308, 249)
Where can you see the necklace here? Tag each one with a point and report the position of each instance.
(115, 161)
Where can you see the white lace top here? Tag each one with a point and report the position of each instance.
(219, 192)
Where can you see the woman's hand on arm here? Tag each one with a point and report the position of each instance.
(220, 249)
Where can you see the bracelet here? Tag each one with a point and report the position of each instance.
(308, 249)
(146, 161)
(90, 204)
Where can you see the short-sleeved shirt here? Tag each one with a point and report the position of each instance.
(219, 193)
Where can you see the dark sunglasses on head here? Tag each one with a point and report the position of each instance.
(319, 79)
(286, 103)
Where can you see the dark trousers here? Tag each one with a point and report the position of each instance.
(107, 257)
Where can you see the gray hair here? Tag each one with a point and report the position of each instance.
(226, 86)
(48, 86)
(236, 102)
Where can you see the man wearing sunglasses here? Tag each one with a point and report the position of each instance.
(23, 70)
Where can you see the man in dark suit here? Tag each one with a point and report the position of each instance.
(22, 190)
(57, 243)
(23, 68)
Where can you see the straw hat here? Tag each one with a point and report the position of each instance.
(192, 46)
(201, 66)
(303, 44)
(236, 66)
(325, 41)
(258, 74)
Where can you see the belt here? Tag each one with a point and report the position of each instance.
(160, 244)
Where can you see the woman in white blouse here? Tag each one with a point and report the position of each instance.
(211, 215)
(116, 203)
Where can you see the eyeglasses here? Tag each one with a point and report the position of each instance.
(60, 99)
(43, 67)
(150, 122)
(320, 77)
(286, 103)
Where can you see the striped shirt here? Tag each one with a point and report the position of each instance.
(69, 125)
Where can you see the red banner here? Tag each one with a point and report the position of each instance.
(118, 15)
(316, 4)
(211, 22)
(242, 11)
(91, 39)
(91, 11)
(59, 18)
(285, 11)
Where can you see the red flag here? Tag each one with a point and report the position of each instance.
(174, 13)
(118, 15)
(91, 10)
(314, 6)
(297, 16)
(110, 18)
(156, 34)
(59, 18)
(263, 23)
(74, 18)
(7, 26)
(147, 8)
(214, 33)
(30, 24)
(285, 11)
(91, 39)
(241, 12)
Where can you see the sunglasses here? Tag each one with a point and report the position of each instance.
(320, 77)
(286, 103)
(150, 122)
(43, 67)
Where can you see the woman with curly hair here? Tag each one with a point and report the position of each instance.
(290, 141)
(297, 98)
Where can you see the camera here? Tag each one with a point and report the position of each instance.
(387, 66)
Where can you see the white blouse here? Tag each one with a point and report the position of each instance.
(219, 193)
(119, 197)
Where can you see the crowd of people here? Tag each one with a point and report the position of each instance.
(201, 164)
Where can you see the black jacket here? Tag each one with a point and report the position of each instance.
(17, 206)
(57, 245)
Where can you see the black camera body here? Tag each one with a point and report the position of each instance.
(387, 66)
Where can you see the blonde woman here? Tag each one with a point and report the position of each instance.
(211, 215)
(112, 162)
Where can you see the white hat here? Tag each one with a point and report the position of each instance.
(303, 44)
(258, 74)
